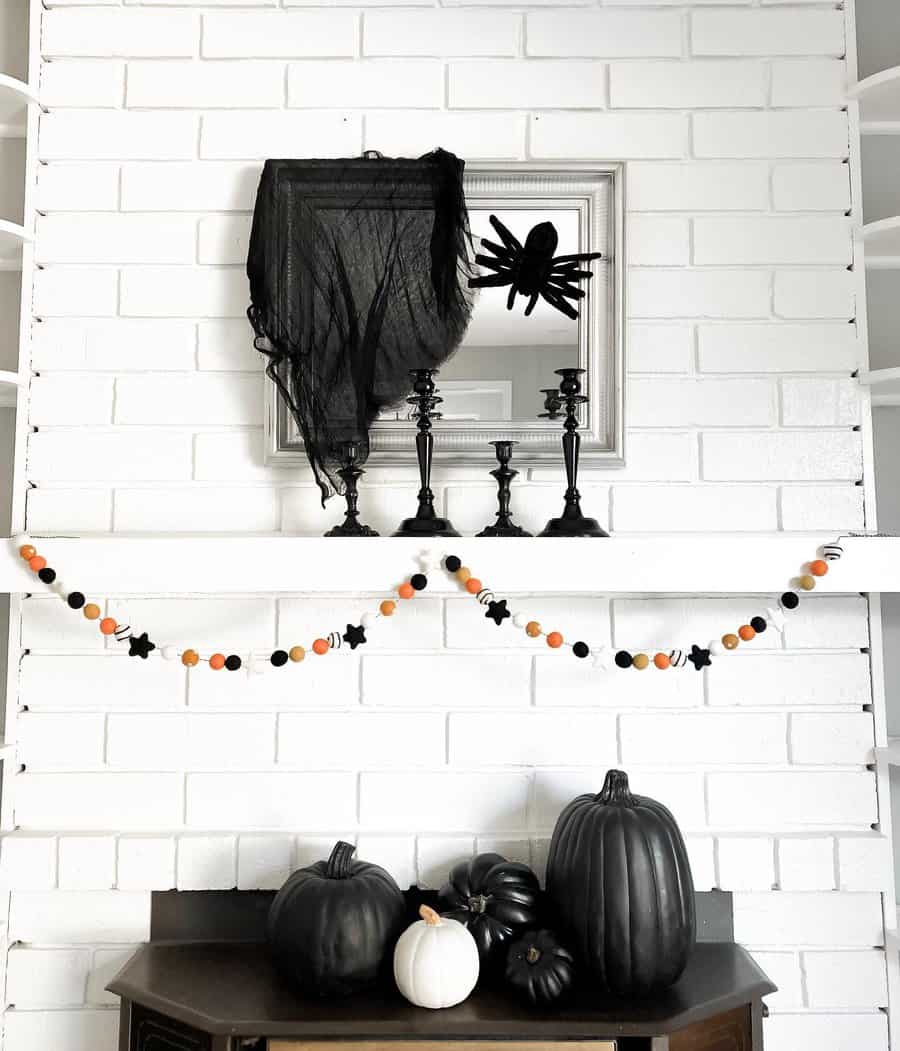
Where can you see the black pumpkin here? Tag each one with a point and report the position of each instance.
(539, 969)
(333, 926)
(620, 883)
(494, 898)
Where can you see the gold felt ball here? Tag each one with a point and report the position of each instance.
(807, 582)
(296, 653)
(640, 661)
(730, 642)
(463, 574)
(532, 629)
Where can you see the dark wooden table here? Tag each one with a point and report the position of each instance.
(190, 996)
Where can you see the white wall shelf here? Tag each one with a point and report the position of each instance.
(715, 565)
(882, 241)
(879, 102)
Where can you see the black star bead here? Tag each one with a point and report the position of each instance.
(279, 658)
(419, 581)
(759, 625)
(47, 575)
(790, 600)
(497, 612)
(232, 662)
(354, 636)
(699, 658)
(139, 646)
(75, 600)
(580, 649)
(452, 563)
(623, 659)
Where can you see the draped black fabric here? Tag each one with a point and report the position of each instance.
(358, 271)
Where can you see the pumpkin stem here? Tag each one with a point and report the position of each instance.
(615, 789)
(478, 903)
(431, 917)
(340, 864)
(533, 954)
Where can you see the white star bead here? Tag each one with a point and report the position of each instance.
(169, 653)
(717, 648)
(603, 658)
(368, 619)
(775, 619)
(520, 620)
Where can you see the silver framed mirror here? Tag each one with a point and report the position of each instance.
(491, 386)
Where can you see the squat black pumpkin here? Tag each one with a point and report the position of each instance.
(494, 898)
(332, 927)
(620, 883)
(539, 969)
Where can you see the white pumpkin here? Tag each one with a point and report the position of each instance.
(435, 961)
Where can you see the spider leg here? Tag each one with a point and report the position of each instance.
(498, 250)
(570, 274)
(491, 264)
(561, 288)
(531, 304)
(505, 235)
(578, 257)
(511, 298)
(561, 305)
(490, 281)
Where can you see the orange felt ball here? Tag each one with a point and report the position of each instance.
(108, 626)
(473, 585)
(406, 590)
(37, 562)
(91, 611)
(554, 640)
(387, 608)
(746, 632)
(190, 658)
(662, 661)
(217, 661)
(27, 552)
(818, 568)
(532, 629)
(320, 646)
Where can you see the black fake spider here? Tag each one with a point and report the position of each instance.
(533, 270)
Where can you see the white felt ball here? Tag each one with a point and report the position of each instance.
(435, 961)
(169, 653)
(717, 648)
(520, 620)
(367, 620)
(20, 540)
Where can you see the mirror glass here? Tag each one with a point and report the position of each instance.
(509, 355)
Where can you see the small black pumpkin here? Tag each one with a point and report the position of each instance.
(332, 926)
(539, 969)
(619, 880)
(494, 898)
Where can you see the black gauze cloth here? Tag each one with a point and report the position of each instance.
(358, 271)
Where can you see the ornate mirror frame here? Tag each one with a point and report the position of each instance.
(597, 190)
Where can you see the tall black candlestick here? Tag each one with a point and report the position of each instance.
(425, 400)
(350, 474)
(504, 474)
(572, 522)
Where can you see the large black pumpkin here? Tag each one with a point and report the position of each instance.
(539, 969)
(619, 880)
(494, 898)
(333, 926)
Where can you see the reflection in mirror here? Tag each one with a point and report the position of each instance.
(505, 357)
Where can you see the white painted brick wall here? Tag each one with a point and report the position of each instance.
(148, 416)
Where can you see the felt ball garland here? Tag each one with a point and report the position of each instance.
(496, 610)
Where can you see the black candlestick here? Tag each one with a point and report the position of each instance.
(572, 522)
(425, 401)
(350, 474)
(504, 474)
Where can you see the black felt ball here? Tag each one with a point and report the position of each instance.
(452, 563)
(623, 659)
(279, 658)
(581, 649)
(75, 600)
(790, 600)
(759, 625)
(233, 662)
(419, 581)
(47, 574)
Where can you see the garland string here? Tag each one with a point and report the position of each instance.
(604, 658)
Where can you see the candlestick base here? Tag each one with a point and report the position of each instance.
(350, 527)
(504, 530)
(426, 526)
(573, 523)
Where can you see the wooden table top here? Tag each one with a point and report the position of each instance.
(233, 989)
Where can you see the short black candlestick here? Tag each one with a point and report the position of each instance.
(504, 474)
(425, 400)
(572, 522)
(350, 474)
